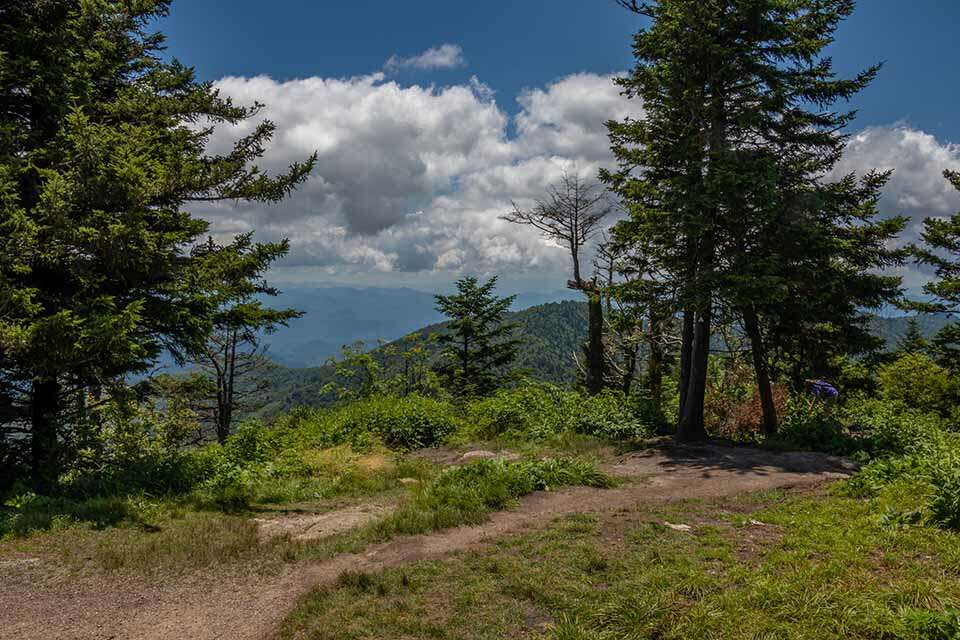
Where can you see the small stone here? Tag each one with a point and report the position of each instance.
(478, 455)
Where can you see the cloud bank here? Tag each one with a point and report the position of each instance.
(411, 180)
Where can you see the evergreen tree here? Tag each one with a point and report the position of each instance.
(724, 176)
(102, 146)
(941, 250)
(945, 348)
(912, 341)
(477, 348)
(232, 358)
(643, 303)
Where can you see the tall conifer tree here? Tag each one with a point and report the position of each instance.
(102, 146)
(941, 250)
(725, 175)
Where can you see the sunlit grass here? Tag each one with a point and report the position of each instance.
(759, 566)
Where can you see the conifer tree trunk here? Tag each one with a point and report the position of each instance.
(686, 353)
(691, 427)
(752, 325)
(44, 408)
(629, 370)
(655, 365)
(595, 355)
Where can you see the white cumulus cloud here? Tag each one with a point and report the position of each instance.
(917, 188)
(411, 180)
(446, 56)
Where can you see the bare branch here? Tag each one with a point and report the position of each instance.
(570, 214)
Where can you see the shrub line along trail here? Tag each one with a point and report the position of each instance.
(250, 606)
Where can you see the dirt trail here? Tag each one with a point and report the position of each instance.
(250, 606)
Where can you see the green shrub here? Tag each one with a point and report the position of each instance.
(536, 412)
(811, 425)
(411, 422)
(919, 383)
(131, 450)
(943, 455)
(609, 417)
(406, 423)
(890, 428)
(251, 443)
(945, 501)
(910, 447)
(230, 487)
(529, 412)
(882, 472)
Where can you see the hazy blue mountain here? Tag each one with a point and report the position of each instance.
(336, 316)
(891, 329)
(550, 335)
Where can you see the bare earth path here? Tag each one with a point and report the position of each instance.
(250, 606)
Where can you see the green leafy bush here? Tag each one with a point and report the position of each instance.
(531, 411)
(411, 422)
(406, 423)
(945, 500)
(252, 444)
(891, 428)
(541, 411)
(882, 472)
(907, 446)
(811, 425)
(607, 416)
(919, 383)
(126, 450)
(230, 487)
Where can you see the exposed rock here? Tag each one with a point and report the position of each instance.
(480, 454)
(314, 526)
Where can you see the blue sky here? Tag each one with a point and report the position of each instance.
(512, 45)
(486, 103)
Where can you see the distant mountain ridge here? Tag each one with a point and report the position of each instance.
(892, 329)
(338, 315)
(550, 335)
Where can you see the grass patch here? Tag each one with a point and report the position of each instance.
(761, 566)
(142, 534)
(161, 536)
(462, 495)
(467, 494)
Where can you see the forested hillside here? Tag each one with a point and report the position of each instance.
(893, 329)
(550, 334)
